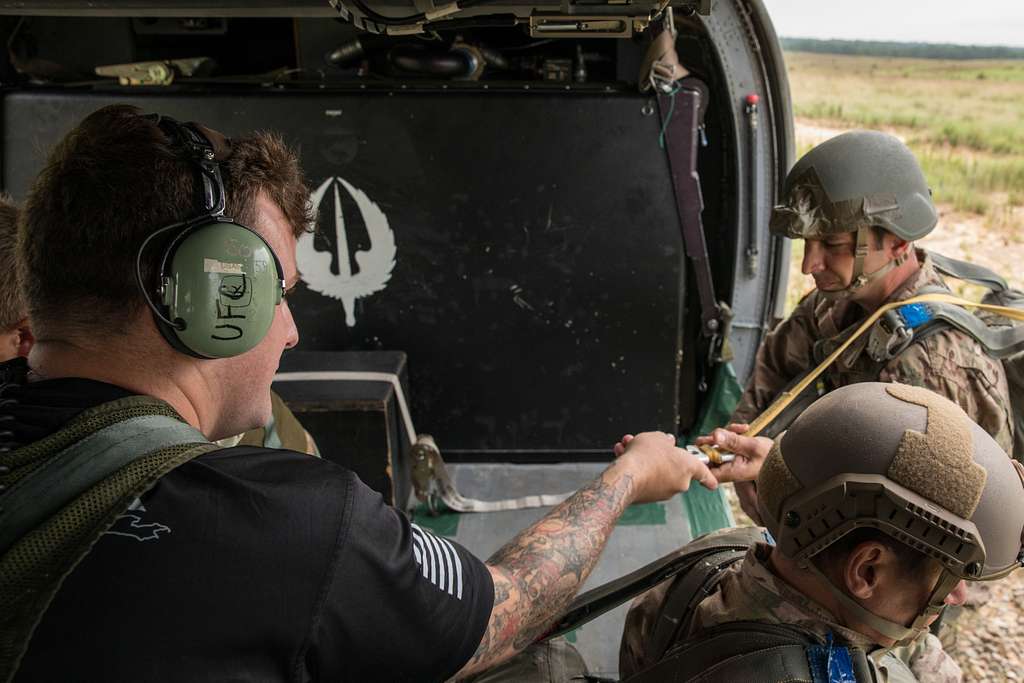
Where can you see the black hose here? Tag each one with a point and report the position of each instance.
(453, 64)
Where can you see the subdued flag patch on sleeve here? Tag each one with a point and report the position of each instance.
(438, 561)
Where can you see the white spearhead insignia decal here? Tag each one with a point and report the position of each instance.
(375, 265)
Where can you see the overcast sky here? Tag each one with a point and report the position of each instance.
(978, 22)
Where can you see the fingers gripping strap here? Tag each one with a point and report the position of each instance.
(439, 478)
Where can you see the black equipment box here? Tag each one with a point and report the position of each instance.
(356, 423)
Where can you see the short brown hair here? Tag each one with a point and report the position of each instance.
(110, 183)
(12, 299)
(913, 562)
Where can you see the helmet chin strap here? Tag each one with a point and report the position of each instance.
(860, 278)
(903, 635)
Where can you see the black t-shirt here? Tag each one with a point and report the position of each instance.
(251, 564)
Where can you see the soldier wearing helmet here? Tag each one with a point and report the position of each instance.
(859, 201)
(882, 499)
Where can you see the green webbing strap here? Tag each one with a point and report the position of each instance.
(79, 467)
(969, 272)
(52, 518)
(999, 342)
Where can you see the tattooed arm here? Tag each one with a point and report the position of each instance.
(538, 573)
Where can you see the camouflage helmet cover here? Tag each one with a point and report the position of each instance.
(852, 181)
(905, 461)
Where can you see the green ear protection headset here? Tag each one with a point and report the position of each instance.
(219, 280)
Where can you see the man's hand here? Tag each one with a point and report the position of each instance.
(659, 469)
(750, 452)
(750, 455)
(538, 572)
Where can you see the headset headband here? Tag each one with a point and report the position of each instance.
(206, 149)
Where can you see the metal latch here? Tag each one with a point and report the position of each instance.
(575, 26)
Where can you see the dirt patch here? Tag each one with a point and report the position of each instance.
(990, 641)
(970, 237)
(811, 132)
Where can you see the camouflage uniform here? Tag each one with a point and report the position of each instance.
(751, 592)
(282, 431)
(950, 362)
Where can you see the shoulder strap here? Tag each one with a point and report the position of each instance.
(94, 469)
(687, 591)
(969, 272)
(81, 466)
(999, 341)
(595, 602)
(755, 651)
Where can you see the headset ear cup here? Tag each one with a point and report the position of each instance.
(223, 281)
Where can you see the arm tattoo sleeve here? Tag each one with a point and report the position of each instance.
(539, 571)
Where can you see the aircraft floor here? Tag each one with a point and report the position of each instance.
(644, 533)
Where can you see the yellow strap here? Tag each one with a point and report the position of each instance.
(786, 397)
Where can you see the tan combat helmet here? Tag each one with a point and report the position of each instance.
(907, 462)
(849, 183)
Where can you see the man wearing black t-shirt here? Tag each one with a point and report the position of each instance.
(244, 563)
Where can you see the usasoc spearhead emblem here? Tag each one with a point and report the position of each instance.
(375, 264)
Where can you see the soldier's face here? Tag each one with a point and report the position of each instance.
(907, 597)
(830, 260)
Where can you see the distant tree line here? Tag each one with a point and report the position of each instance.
(873, 48)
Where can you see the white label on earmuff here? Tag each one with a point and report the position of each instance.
(374, 265)
(212, 265)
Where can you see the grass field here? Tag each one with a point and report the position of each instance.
(963, 119)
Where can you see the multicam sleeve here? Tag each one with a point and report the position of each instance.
(930, 663)
(639, 629)
(784, 354)
(954, 365)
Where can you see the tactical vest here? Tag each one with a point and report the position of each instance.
(61, 493)
(742, 650)
(755, 651)
(1000, 337)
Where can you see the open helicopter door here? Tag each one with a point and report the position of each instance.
(506, 242)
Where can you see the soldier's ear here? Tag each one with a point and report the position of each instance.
(867, 566)
(26, 340)
(900, 248)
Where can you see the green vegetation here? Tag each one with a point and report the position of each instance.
(874, 48)
(964, 119)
